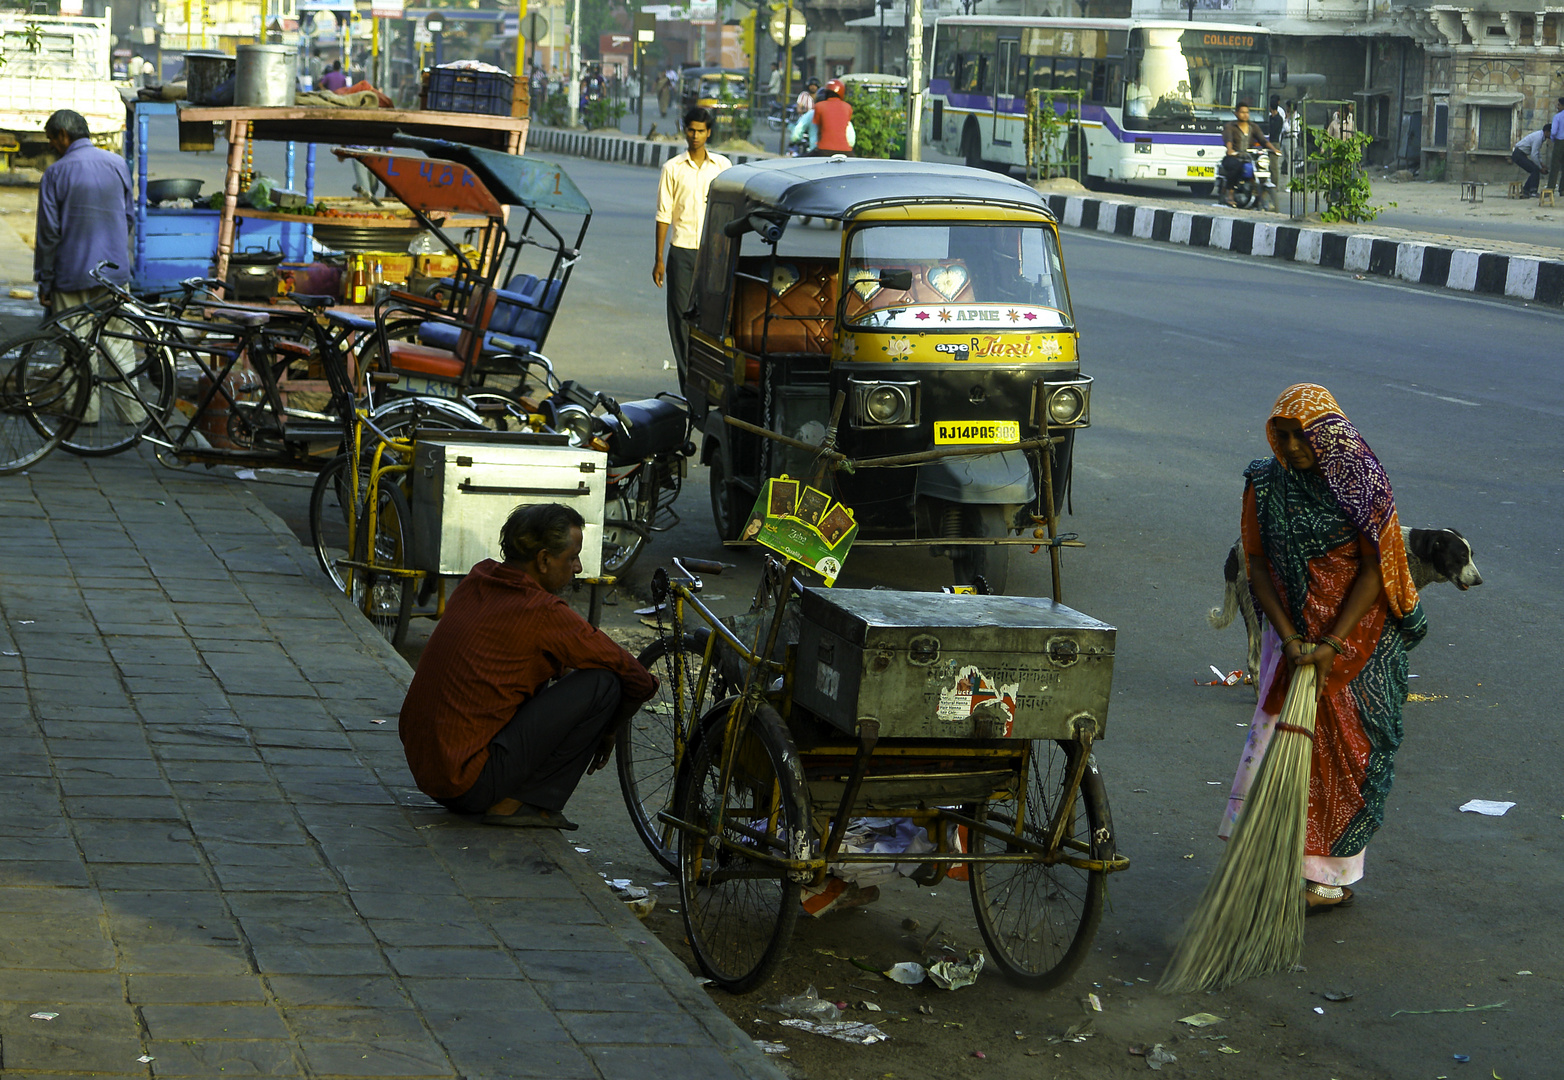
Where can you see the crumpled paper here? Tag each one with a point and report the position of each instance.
(1486, 807)
(953, 975)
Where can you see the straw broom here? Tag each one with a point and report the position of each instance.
(1250, 918)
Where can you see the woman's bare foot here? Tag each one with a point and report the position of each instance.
(1324, 897)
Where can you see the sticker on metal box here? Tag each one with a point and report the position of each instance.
(974, 694)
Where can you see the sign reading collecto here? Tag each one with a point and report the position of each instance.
(1229, 41)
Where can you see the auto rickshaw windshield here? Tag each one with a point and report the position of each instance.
(1004, 276)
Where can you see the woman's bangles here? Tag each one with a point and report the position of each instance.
(1325, 639)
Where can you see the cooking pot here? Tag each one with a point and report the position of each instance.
(166, 190)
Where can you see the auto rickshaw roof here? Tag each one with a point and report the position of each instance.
(532, 182)
(841, 188)
(742, 73)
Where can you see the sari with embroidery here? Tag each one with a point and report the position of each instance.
(1316, 529)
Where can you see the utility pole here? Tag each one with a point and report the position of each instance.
(915, 93)
(787, 75)
(575, 62)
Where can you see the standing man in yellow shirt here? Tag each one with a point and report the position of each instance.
(681, 214)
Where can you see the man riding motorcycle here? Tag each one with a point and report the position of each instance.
(1238, 137)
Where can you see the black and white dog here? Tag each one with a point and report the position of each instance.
(1433, 556)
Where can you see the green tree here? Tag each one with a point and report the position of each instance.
(1336, 172)
(879, 120)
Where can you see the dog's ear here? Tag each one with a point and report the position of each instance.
(1420, 544)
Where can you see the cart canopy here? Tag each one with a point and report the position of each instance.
(843, 188)
(531, 182)
(428, 185)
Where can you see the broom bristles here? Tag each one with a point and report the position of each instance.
(1249, 920)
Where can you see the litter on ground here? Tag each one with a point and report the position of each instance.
(849, 1032)
(1486, 807)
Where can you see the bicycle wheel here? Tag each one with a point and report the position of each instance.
(44, 382)
(132, 384)
(649, 750)
(739, 912)
(385, 599)
(1039, 919)
(330, 505)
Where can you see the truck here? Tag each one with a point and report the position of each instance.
(55, 62)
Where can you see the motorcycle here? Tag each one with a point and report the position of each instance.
(648, 446)
(1255, 187)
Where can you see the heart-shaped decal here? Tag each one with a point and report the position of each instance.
(866, 283)
(783, 278)
(948, 281)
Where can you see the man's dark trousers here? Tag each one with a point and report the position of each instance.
(1521, 158)
(541, 755)
(679, 280)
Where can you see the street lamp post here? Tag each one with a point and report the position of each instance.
(915, 80)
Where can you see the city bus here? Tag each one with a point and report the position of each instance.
(1155, 94)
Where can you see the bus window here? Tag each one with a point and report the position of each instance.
(987, 45)
(1114, 83)
(1093, 75)
(1066, 73)
(1042, 76)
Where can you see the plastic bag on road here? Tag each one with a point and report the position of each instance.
(850, 1032)
(953, 974)
(808, 1006)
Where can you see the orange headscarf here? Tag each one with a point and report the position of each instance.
(1357, 480)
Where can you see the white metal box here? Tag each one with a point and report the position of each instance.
(463, 490)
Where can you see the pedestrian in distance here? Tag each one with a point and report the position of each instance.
(1329, 569)
(1556, 138)
(516, 696)
(828, 124)
(1525, 155)
(806, 97)
(774, 86)
(681, 215)
(334, 79)
(85, 215)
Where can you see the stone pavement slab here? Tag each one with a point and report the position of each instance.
(213, 860)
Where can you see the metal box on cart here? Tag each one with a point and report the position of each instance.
(465, 488)
(953, 666)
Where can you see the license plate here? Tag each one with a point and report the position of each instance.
(1202, 170)
(976, 431)
(416, 384)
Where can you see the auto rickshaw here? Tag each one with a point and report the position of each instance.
(725, 91)
(920, 365)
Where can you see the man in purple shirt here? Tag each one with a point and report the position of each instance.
(334, 80)
(85, 216)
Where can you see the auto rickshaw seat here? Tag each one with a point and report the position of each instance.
(807, 304)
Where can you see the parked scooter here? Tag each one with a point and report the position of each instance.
(648, 446)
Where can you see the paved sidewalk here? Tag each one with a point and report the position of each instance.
(212, 858)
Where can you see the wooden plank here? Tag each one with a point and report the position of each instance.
(366, 127)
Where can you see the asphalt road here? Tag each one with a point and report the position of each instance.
(1461, 399)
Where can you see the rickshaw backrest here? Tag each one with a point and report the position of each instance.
(808, 300)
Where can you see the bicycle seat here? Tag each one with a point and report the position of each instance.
(244, 316)
(312, 301)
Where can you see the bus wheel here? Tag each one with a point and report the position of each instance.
(1201, 191)
(1088, 181)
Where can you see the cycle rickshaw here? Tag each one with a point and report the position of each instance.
(974, 716)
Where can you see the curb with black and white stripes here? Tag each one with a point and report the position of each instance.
(1466, 269)
(615, 148)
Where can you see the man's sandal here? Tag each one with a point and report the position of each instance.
(520, 815)
(1323, 898)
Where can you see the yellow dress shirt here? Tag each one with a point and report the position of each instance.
(681, 196)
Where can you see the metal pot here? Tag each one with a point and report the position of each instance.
(265, 75)
(166, 190)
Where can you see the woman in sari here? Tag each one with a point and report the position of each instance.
(1328, 569)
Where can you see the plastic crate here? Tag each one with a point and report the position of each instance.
(490, 93)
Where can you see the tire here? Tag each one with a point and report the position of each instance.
(972, 147)
(992, 563)
(330, 500)
(650, 750)
(1201, 191)
(622, 545)
(739, 914)
(726, 513)
(147, 388)
(1038, 919)
(44, 387)
(385, 599)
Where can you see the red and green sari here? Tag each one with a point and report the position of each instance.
(1316, 529)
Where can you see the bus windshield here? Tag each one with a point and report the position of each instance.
(956, 277)
(1192, 80)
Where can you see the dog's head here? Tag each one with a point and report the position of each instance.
(1448, 554)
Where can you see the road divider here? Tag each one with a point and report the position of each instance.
(1420, 262)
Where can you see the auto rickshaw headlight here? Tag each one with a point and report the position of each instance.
(1066, 404)
(884, 404)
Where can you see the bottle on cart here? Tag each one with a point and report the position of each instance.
(360, 282)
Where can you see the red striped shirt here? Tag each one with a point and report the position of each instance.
(501, 639)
